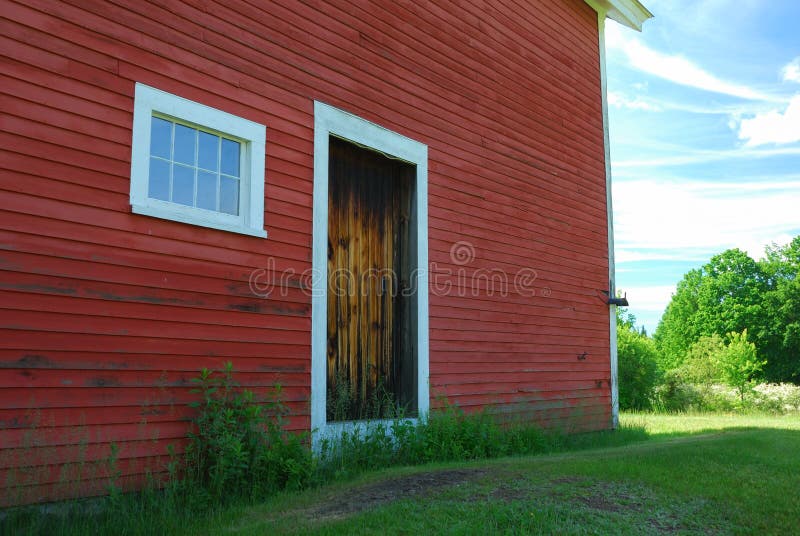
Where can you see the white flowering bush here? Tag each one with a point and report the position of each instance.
(778, 397)
(767, 397)
(763, 397)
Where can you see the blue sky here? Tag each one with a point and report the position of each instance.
(704, 109)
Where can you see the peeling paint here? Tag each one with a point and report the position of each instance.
(100, 381)
(29, 361)
(40, 288)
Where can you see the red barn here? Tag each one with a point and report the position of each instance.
(375, 204)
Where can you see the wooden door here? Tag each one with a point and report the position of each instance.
(369, 345)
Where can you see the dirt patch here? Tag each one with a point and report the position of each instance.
(612, 497)
(598, 502)
(375, 495)
(603, 496)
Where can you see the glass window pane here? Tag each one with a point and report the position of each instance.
(160, 137)
(208, 152)
(185, 139)
(229, 195)
(183, 185)
(230, 157)
(158, 183)
(207, 190)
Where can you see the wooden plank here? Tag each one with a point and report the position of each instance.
(63, 397)
(166, 379)
(92, 144)
(112, 264)
(149, 235)
(282, 358)
(40, 341)
(47, 99)
(120, 308)
(45, 321)
(281, 302)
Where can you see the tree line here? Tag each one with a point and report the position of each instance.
(735, 322)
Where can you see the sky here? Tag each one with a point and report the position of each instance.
(704, 122)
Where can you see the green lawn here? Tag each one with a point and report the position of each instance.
(708, 474)
(682, 474)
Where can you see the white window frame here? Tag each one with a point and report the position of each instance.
(330, 121)
(149, 101)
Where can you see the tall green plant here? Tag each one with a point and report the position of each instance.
(239, 446)
(701, 365)
(739, 362)
(637, 364)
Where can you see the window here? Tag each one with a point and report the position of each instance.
(195, 164)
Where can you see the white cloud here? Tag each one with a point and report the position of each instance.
(648, 303)
(688, 156)
(736, 111)
(791, 71)
(675, 68)
(619, 100)
(623, 254)
(659, 220)
(654, 298)
(773, 126)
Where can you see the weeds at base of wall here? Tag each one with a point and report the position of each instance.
(239, 453)
(448, 434)
(239, 449)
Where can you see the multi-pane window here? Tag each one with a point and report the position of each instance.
(193, 167)
(195, 164)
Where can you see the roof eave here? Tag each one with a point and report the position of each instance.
(630, 13)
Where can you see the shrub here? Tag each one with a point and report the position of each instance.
(700, 366)
(739, 362)
(239, 447)
(637, 366)
(776, 397)
(675, 393)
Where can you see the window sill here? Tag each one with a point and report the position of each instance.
(188, 215)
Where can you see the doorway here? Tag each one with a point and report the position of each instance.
(397, 371)
(371, 369)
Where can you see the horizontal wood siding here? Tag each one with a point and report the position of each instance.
(105, 316)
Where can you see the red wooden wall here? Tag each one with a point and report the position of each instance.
(106, 315)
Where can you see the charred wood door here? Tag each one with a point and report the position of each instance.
(371, 368)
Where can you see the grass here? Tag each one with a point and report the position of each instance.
(717, 474)
(693, 473)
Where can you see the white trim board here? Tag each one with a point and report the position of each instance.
(330, 121)
(149, 101)
(612, 281)
(630, 13)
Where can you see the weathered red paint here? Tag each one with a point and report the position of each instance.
(106, 315)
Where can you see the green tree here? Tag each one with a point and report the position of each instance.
(779, 341)
(731, 294)
(701, 362)
(677, 329)
(636, 364)
(725, 295)
(738, 362)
